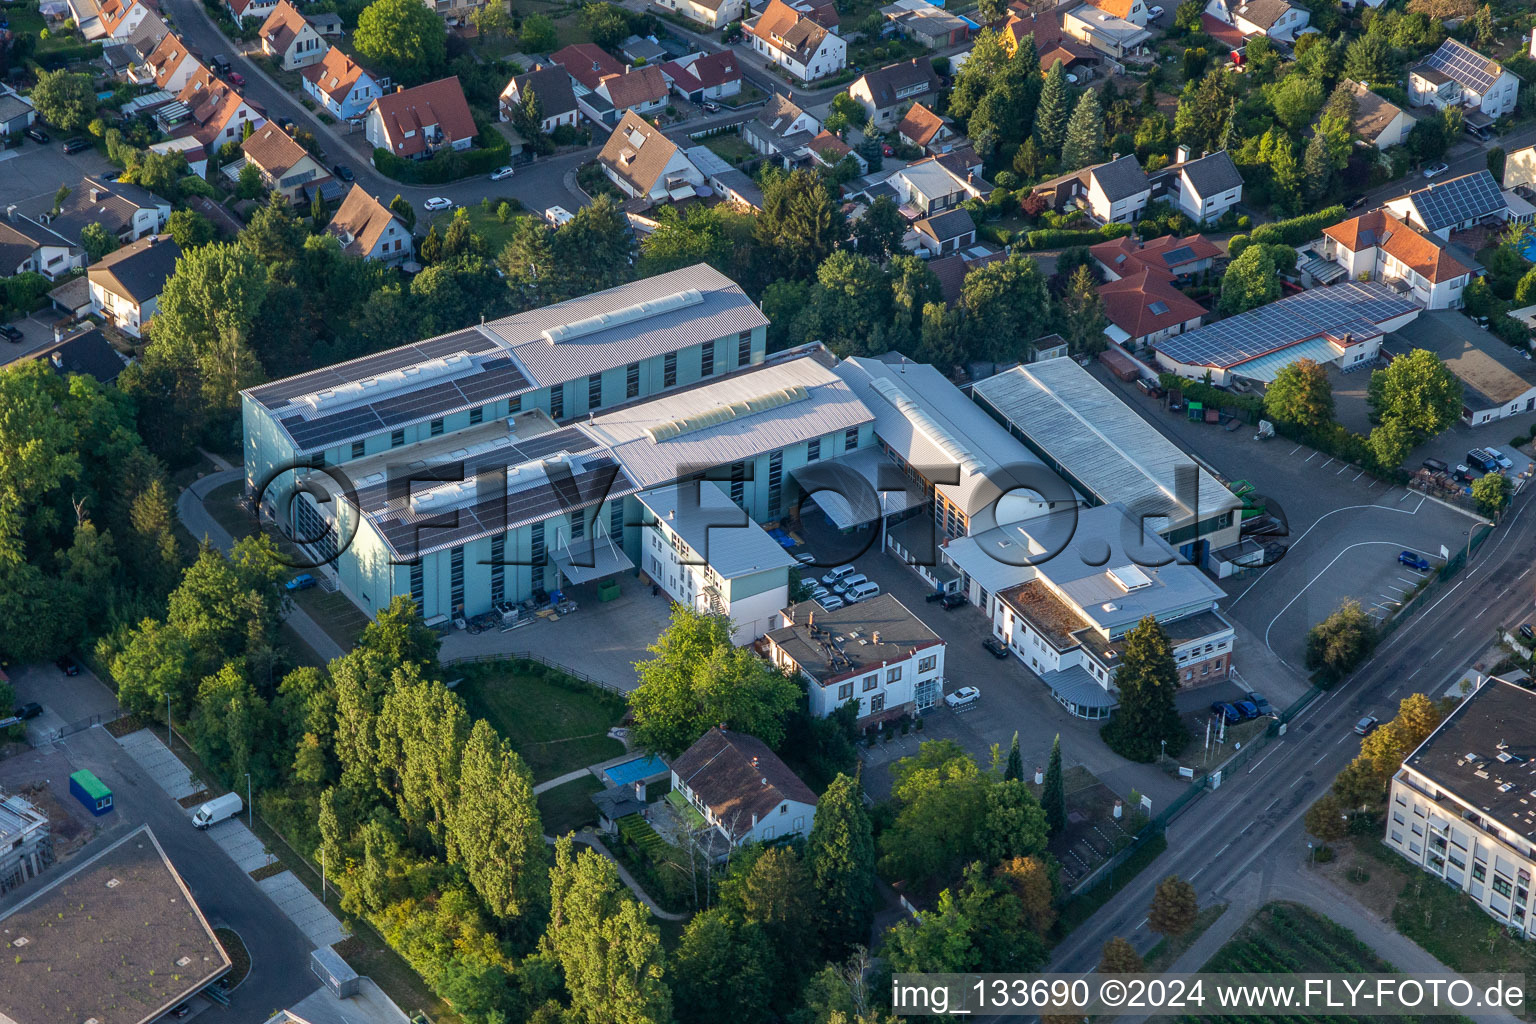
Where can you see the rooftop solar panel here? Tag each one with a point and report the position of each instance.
(1469, 68)
(1458, 200)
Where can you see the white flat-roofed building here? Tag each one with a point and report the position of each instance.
(703, 550)
(1065, 590)
(26, 842)
(875, 652)
(1461, 806)
(1107, 452)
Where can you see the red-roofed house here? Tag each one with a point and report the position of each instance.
(257, 9)
(1143, 307)
(604, 88)
(699, 77)
(169, 65)
(587, 63)
(416, 123)
(804, 42)
(120, 18)
(1380, 247)
(218, 113)
(341, 85)
(926, 130)
(829, 151)
(290, 39)
(1170, 254)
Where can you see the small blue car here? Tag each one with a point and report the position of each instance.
(1222, 709)
(301, 582)
(1247, 708)
(1413, 561)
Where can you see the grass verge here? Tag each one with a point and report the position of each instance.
(569, 808)
(1163, 955)
(239, 959)
(556, 723)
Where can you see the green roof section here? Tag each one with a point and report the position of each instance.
(94, 787)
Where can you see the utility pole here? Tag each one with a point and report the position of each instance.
(250, 812)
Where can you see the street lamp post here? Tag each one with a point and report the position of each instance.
(250, 812)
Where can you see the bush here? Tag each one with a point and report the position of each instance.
(1297, 230)
(1060, 238)
(492, 151)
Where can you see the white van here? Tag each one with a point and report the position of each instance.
(863, 592)
(217, 809)
(831, 602)
(842, 572)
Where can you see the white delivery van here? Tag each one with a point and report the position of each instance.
(863, 592)
(842, 572)
(217, 809)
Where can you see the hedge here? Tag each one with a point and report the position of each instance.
(1293, 232)
(490, 152)
(1210, 395)
(1060, 238)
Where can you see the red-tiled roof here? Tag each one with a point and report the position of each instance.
(588, 63)
(707, 72)
(282, 26)
(640, 86)
(1144, 303)
(1381, 230)
(920, 125)
(335, 75)
(440, 104)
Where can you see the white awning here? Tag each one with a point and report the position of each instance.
(582, 562)
(848, 489)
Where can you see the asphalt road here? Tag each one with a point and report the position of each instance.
(280, 974)
(1253, 822)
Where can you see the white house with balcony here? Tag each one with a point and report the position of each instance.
(742, 790)
(706, 554)
(1377, 246)
(1456, 75)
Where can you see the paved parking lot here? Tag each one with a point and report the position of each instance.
(159, 763)
(1013, 699)
(1345, 530)
(238, 841)
(303, 908)
(32, 170)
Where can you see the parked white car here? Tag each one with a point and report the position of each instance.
(963, 697)
(438, 203)
(831, 602)
(500, 173)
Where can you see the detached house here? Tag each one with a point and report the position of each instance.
(644, 163)
(126, 283)
(552, 87)
(1205, 188)
(782, 132)
(119, 19)
(28, 246)
(926, 130)
(16, 112)
(215, 112)
(285, 166)
(367, 228)
(604, 88)
(254, 9)
(885, 94)
(713, 14)
(1276, 19)
(1144, 307)
(698, 77)
(1378, 122)
(170, 66)
(946, 232)
(1378, 246)
(929, 187)
(290, 39)
(1171, 255)
(342, 86)
(128, 212)
(416, 123)
(1452, 205)
(1115, 192)
(1105, 32)
(796, 41)
(1456, 75)
(743, 790)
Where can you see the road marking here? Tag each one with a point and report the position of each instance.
(1302, 778)
(1343, 469)
(1437, 652)
(1522, 575)
(1312, 456)
(1458, 633)
(1408, 580)
(1357, 476)
(1327, 464)
(1272, 803)
(1390, 586)
(1320, 757)
(1416, 671)
(1319, 519)
(1341, 739)
(1222, 850)
(1293, 451)
(1297, 596)
(1261, 760)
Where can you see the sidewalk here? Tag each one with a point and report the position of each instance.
(237, 841)
(201, 524)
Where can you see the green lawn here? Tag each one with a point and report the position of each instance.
(485, 223)
(569, 807)
(558, 725)
(729, 146)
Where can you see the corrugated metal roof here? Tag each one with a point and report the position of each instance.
(1099, 440)
(928, 422)
(717, 530)
(827, 407)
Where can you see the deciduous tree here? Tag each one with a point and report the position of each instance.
(402, 37)
(65, 99)
(1174, 907)
(1120, 957)
(1419, 390)
(1302, 395)
(1341, 641)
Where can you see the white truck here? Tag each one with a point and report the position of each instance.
(217, 809)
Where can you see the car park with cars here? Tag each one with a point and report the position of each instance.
(1223, 709)
(963, 698)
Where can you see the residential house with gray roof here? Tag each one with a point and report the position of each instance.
(126, 283)
(887, 93)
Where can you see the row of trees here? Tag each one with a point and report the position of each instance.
(1361, 788)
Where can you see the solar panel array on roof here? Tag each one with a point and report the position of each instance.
(562, 471)
(1468, 67)
(1459, 200)
(1173, 257)
(1286, 322)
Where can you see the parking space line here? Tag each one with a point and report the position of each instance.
(1293, 451)
(1357, 476)
(1342, 469)
(1408, 580)
(1328, 463)
(1391, 587)
(1313, 456)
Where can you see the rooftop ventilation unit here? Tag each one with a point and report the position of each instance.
(371, 389)
(725, 413)
(931, 428)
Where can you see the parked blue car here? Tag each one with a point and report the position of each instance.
(1224, 710)
(302, 582)
(1247, 708)
(1413, 561)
